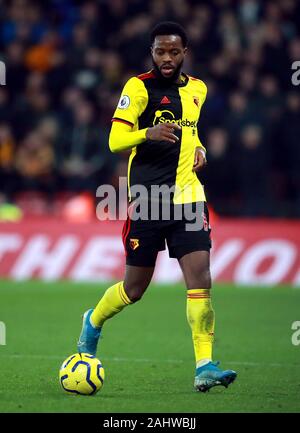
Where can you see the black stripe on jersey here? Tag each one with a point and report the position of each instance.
(156, 162)
(117, 119)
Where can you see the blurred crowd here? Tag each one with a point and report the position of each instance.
(67, 60)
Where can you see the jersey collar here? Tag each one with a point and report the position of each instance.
(184, 79)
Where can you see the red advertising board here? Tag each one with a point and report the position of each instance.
(255, 252)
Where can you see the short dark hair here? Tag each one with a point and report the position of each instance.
(169, 28)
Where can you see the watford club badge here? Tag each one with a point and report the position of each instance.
(134, 243)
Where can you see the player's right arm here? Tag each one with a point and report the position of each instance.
(124, 132)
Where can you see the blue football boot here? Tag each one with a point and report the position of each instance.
(89, 336)
(210, 375)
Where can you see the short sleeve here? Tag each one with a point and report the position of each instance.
(132, 103)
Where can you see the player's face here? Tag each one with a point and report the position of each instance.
(168, 54)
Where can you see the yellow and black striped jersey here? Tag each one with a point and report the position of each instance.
(147, 101)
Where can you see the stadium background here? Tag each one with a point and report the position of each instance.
(66, 62)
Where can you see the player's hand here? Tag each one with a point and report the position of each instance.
(163, 132)
(200, 159)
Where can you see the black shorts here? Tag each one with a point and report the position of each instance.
(143, 239)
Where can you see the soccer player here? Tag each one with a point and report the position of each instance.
(157, 118)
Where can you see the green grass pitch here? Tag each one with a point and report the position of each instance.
(147, 350)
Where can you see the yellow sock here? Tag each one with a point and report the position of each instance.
(201, 318)
(112, 302)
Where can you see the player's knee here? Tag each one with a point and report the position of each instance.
(207, 280)
(135, 295)
(135, 291)
(201, 280)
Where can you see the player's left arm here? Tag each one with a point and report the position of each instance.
(200, 151)
(200, 156)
